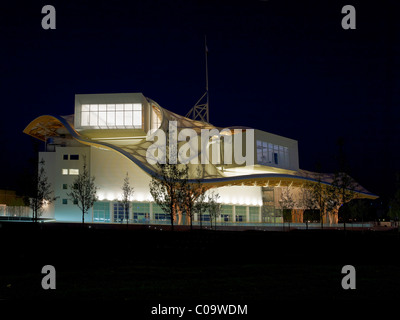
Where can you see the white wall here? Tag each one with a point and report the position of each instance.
(240, 195)
(109, 169)
(69, 211)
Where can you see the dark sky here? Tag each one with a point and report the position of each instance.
(286, 67)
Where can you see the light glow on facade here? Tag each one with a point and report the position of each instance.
(248, 193)
(112, 116)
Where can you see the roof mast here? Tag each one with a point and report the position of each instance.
(200, 109)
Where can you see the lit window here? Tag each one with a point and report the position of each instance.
(64, 171)
(119, 118)
(112, 116)
(137, 118)
(272, 154)
(85, 115)
(94, 119)
(128, 118)
(102, 119)
(73, 172)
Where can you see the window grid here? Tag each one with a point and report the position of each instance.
(141, 212)
(101, 212)
(240, 212)
(254, 214)
(272, 154)
(112, 116)
(121, 213)
(73, 172)
(159, 213)
(226, 213)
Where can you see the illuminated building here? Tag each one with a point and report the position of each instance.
(110, 131)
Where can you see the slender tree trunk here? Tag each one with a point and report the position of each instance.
(127, 219)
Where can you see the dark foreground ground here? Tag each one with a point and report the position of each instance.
(181, 267)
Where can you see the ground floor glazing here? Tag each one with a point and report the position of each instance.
(150, 212)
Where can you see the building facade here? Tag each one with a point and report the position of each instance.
(116, 134)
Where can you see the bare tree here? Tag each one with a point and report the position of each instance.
(42, 193)
(343, 185)
(165, 188)
(83, 191)
(287, 203)
(320, 192)
(165, 185)
(342, 191)
(214, 207)
(127, 192)
(308, 201)
(193, 196)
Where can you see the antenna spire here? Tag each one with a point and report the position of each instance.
(200, 109)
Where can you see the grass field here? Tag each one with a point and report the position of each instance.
(153, 266)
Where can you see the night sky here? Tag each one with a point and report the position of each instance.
(285, 67)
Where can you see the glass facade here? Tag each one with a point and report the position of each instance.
(240, 213)
(254, 214)
(101, 212)
(120, 214)
(271, 154)
(205, 216)
(226, 213)
(159, 214)
(141, 212)
(112, 116)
